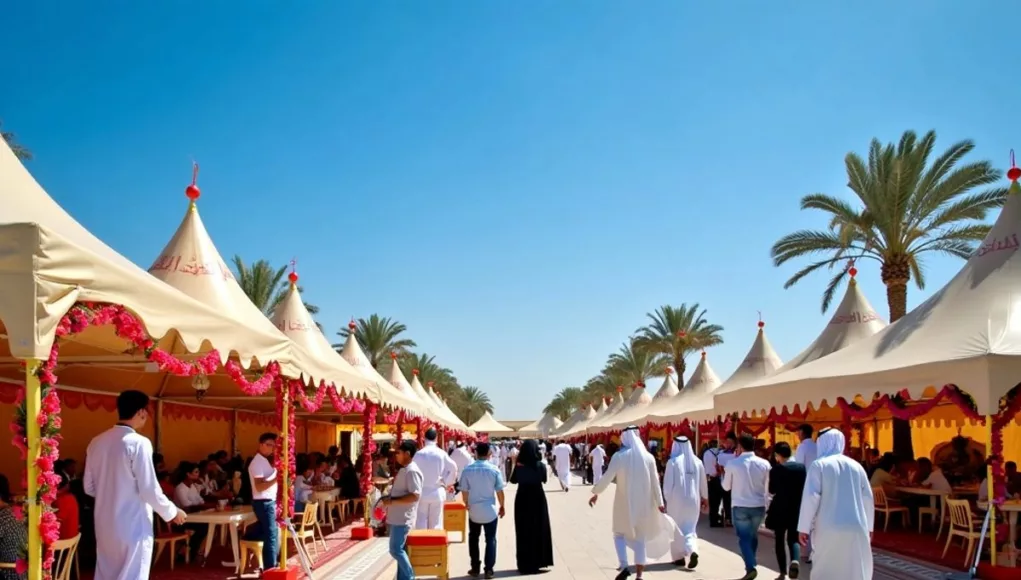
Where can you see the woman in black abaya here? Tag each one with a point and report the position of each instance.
(531, 514)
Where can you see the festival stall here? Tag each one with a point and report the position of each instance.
(961, 346)
(542, 427)
(566, 428)
(598, 420)
(487, 425)
(633, 410)
(638, 415)
(695, 401)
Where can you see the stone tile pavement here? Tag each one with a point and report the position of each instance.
(583, 549)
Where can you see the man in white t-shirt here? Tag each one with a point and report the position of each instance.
(806, 451)
(263, 477)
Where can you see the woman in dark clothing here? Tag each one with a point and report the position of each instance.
(531, 514)
(347, 481)
(786, 483)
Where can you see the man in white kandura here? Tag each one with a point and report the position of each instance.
(837, 509)
(438, 473)
(562, 458)
(461, 458)
(120, 475)
(598, 457)
(639, 519)
(686, 491)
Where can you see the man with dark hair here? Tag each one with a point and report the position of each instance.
(745, 477)
(715, 460)
(263, 478)
(806, 452)
(786, 484)
(439, 473)
(482, 485)
(402, 504)
(119, 473)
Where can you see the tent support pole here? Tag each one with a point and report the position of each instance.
(991, 490)
(285, 477)
(33, 404)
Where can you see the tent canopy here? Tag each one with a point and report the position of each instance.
(542, 426)
(487, 424)
(695, 401)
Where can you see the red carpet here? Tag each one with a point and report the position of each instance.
(337, 543)
(923, 547)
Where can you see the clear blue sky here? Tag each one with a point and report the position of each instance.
(519, 182)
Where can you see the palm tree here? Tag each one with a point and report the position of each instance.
(632, 365)
(907, 208)
(678, 332)
(565, 402)
(265, 285)
(378, 336)
(20, 151)
(476, 404)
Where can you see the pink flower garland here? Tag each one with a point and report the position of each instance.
(368, 446)
(291, 463)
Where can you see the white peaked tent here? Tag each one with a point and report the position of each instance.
(191, 263)
(420, 392)
(568, 425)
(353, 355)
(444, 411)
(967, 334)
(459, 423)
(661, 400)
(487, 424)
(586, 419)
(398, 380)
(635, 410)
(638, 396)
(760, 362)
(541, 427)
(695, 401)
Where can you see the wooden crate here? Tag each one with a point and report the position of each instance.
(455, 519)
(428, 552)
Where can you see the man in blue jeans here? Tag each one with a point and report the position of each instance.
(263, 478)
(482, 485)
(402, 507)
(745, 478)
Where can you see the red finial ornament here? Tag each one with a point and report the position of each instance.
(192, 191)
(414, 372)
(430, 384)
(761, 324)
(1014, 173)
(293, 276)
(703, 354)
(669, 371)
(393, 355)
(681, 334)
(352, 325)
(620, 388)
(851, 269)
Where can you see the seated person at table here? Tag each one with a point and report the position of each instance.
(883, 475)
(210, 483)
(166, 482)
(350, 487)
(302, 484)
(188, 497)
(67, 510)
(931, 477)
(320, 477)
(1013, 478)
(380, 468)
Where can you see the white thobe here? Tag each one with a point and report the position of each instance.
(837, 509)
(119, 473)
(648, 532)
(684, 493)
(461, 459)
(598, 456)
(562, 456)
(438, 472)
(806, 453)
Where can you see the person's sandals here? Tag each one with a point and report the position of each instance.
(693, 561)
(794, 570)
(622, 574)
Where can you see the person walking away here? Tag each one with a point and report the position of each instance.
(745, 478)
(532, 531)
(598, 458)
(461, 458)
(637, 505)
(262, 477)
(786, 485)
(562, 462)
(714, 460)
(119, 473)
(439, 473)
(512, 459)
(686, 493)
(402, 506)
(805, 454)
(482, 485)
(838, 509)
(726, 456)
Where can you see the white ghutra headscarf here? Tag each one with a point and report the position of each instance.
(830, 442)
(638, 477)
(682, 448)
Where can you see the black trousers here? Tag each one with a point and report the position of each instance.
(715, 499)
(787, 539)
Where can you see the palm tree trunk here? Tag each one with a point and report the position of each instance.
(679, 367)
(896, 273)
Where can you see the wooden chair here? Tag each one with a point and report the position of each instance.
(934, 513)
(883, 506)
(247, 548)
(165, 536)
(65, 552)
(963, 524)
(342, 506)
(307, 530)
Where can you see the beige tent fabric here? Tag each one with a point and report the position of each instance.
(609, 418)
(191, 263)
(487, 424)
(669, 388)
(761, 361)
(584, 420)
(293, 319)
(434, 411)
(397, 378)
(967, 334)
(695, 401)
(541, 427)
(633, 411)
(661, 400)
(50, 262)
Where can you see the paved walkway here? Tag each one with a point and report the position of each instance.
(583, 548)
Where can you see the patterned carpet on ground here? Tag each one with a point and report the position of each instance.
(924, 546)
(337, 544)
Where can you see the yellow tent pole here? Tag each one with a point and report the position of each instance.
(33, 403)
(991, 489)
(285, 479)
